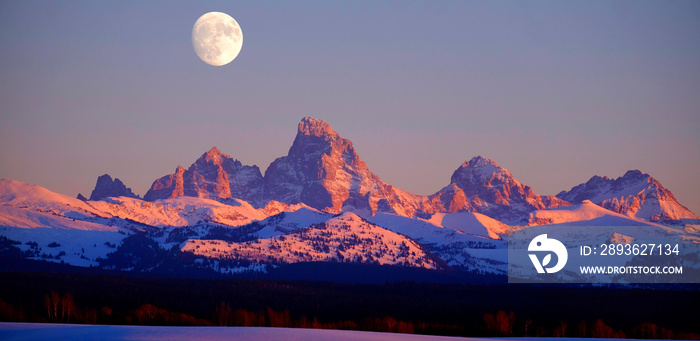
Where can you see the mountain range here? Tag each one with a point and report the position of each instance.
(323, 171)
(319, 203)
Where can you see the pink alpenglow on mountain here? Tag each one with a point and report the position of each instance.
(214, 175)
(492, 190)
(584, 214)
(451, 199)
(169, 186)
(346, 238)
(324, 171)
(634, 194)
(321, 203)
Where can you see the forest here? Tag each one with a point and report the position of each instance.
(459, 309)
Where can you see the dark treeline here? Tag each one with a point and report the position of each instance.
(444, 309)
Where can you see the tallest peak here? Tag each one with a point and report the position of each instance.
(315, 127)
(479, 161)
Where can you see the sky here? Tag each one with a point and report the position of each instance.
(554, 91)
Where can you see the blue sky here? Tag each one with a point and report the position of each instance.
(555, 91)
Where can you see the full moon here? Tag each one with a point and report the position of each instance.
(217, 38)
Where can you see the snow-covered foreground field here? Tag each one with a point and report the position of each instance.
(39, 331)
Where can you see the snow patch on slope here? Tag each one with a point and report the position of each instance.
(472, 223)
(57, 239)
(181, 211)
(453, 245)
(585, 214)
(22, 195)
(345, 238)
(290, 221)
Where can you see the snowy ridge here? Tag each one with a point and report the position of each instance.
(472, 223)
(53, 238)
(233, 236)
(345, 238)
(57, 228)
(22, 195)
(53, 227)
(289, 222)
(584, 214)
(181, 211)
(459, 249)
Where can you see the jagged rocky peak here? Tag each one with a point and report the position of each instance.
(585, 190)
(214, 175)
(492, 190)
(479, 169)
(635, 176)
(324, 171)
(599, 188)
(451, 199)
(81, 197)
(316, 137)
(635, 194)
(209, 179)
(106, 187)
(480, 173)
(214, 155)
(317, 170)
(314, 127)
(169, 186)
